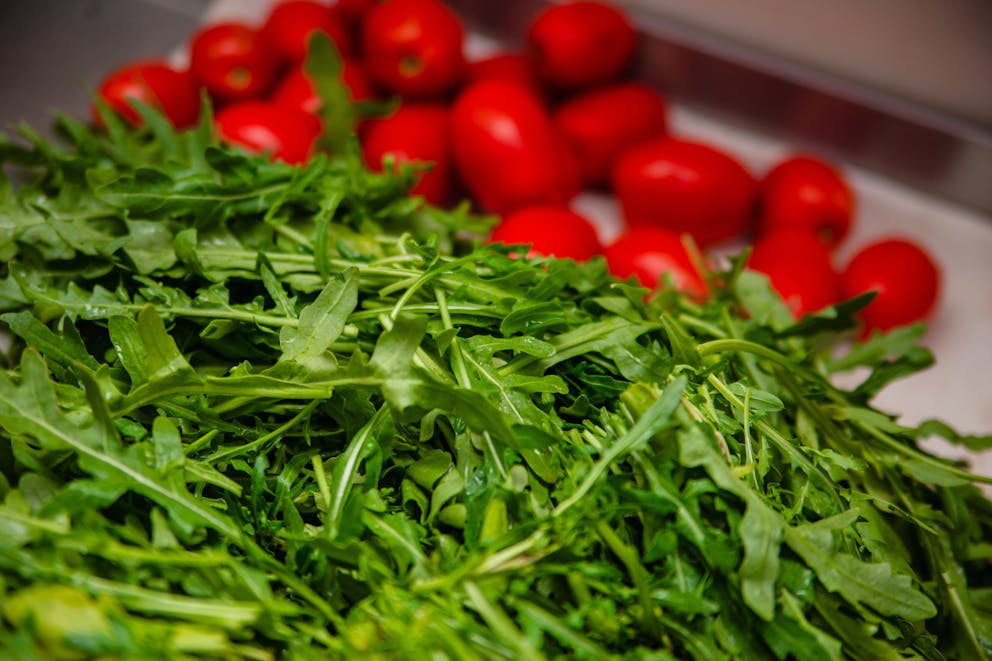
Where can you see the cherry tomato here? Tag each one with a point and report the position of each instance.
(603, 122)
(905, 277)
(296, 91)
(549, 230)
(288, 27)
(231, 61)
(514, 67)
(506, 149)
(804, 192)
(353, 11)
(286, 134)
(581, 43)
(684, 186)
(651, 254)
(155, 84)
(414, 133)
(414, 47)
(800, 268)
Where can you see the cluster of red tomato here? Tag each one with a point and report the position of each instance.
(523, 132)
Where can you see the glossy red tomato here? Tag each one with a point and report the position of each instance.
(286, 134)
(603, 122)
(800, 268)
(506, 149)
(509, 66)
(232, 62)
(290, 23)
(905, 277)
(549, 230)
(581, 43)
(296, 91)
(651, 255)
(414, 133)
(155, 84)
(806, 193)
(684, 186)
(414, 47)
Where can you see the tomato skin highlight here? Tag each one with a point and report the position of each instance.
(650, 254)
(232, 62)
(581, 43)
(290, 23)
(684, 186)
(288, 135)
(154, 83)
(414, 133)
(549, 230)
(806, 193)
(414, 48)
(506, 149)
(906, 279)
(800, 268)
(602, 123)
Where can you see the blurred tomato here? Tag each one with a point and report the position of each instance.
(288, 28)
(581, 43)
(353, 11)
(231, 61)
(603, 122)
(506, 149)
(904, 276)
(800, 268)
(296, 91)
(684, 186)
(651, 255)
(414, 47)
(549, 230)
(415, 133)
(153, 83)
(509, 66)
(286, 134)
(806, 193)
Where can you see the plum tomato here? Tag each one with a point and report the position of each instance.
(800, 268)
(290, 23)
(684, 186)
(416, 132)
(581, 43)
(414, 48)
(284, 133)
(549, 230)
(904, 276)
(296, 91)
(504, 65)
(153, 83)
(231, 61)
(603, 122)
(651, 255)
(806, 192)
(506, 150)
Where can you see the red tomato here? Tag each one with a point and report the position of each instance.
(155, 84)
(231, 61)
(515, 67)
(800, 268)
(604, 122)
(353, 11)
(414, 47)
(288, 27)
(506, 149)
(803, 192)
(414, 133)
(684, 186)
(288, 135)
(905, 277)
(651, 254)
(580, 44)
(296, 91)
(553, 231)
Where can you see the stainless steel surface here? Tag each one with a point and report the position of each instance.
(938, 152)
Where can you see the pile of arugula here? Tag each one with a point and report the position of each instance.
(257, 411)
